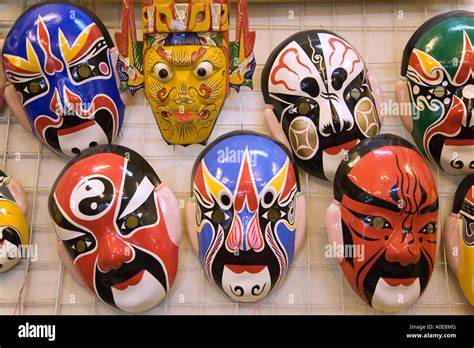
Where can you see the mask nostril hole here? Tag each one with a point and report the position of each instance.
(92, 144)
(75, 151)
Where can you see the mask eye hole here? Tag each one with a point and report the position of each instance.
(203, 70)
(217, 216)
(304, 108)
(429, 228)
(34, 87)
(378, 222)
(131, 222)
(273, 214)
(84, 71)
(355, 93)
(439, 92)
(162, 72)
(80, 246)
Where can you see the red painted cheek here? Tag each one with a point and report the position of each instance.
(86, 267)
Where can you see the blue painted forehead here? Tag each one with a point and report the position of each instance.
(224, 159)
(70, 18)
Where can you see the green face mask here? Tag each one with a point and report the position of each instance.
(437, 84)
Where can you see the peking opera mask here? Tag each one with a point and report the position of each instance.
(188, 62)
(436, 91)
(387, 220)
(458, 236)
(14, 233)
(119, 227)
(246, 219)
(60, 64)
(321, 100)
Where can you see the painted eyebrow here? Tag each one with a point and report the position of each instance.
(362, 196)
(430, 208)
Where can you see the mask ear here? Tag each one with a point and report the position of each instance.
(300, 220)
(191, 225)
(3, 78)
(333, 226)
(377, 93)
(451, 234)
(274, 127)
(115, 55)
(16, 107)
(66, 259)
(19, 194)
(170, 208)
(402, 96)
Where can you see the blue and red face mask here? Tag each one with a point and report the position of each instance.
(59, 61)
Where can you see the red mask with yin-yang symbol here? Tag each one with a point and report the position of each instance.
(120, 226)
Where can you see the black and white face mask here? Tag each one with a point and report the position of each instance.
(318, 86)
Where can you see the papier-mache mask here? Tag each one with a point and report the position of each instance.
(246, 218)
(321, 100)
(436, 90)
(385, 214)
(458, 236)
(14, 233)
(119, 227)
(188, 62)
(60, 65)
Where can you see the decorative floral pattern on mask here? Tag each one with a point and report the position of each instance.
(245, 186)
(317, 83)
(390, 214)
(438, 64)
(106, 210)
(58, 58)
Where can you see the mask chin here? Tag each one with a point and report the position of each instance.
(68, 263)
(171, 212)
(191, 226)
(402, 96)
(333, 226)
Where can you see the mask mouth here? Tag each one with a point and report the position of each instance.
(394, 282)
(71, 134)
(144, 265)
(184, 117)
(395, 275)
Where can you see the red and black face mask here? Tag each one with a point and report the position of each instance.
(106, 209)
(389, 213)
